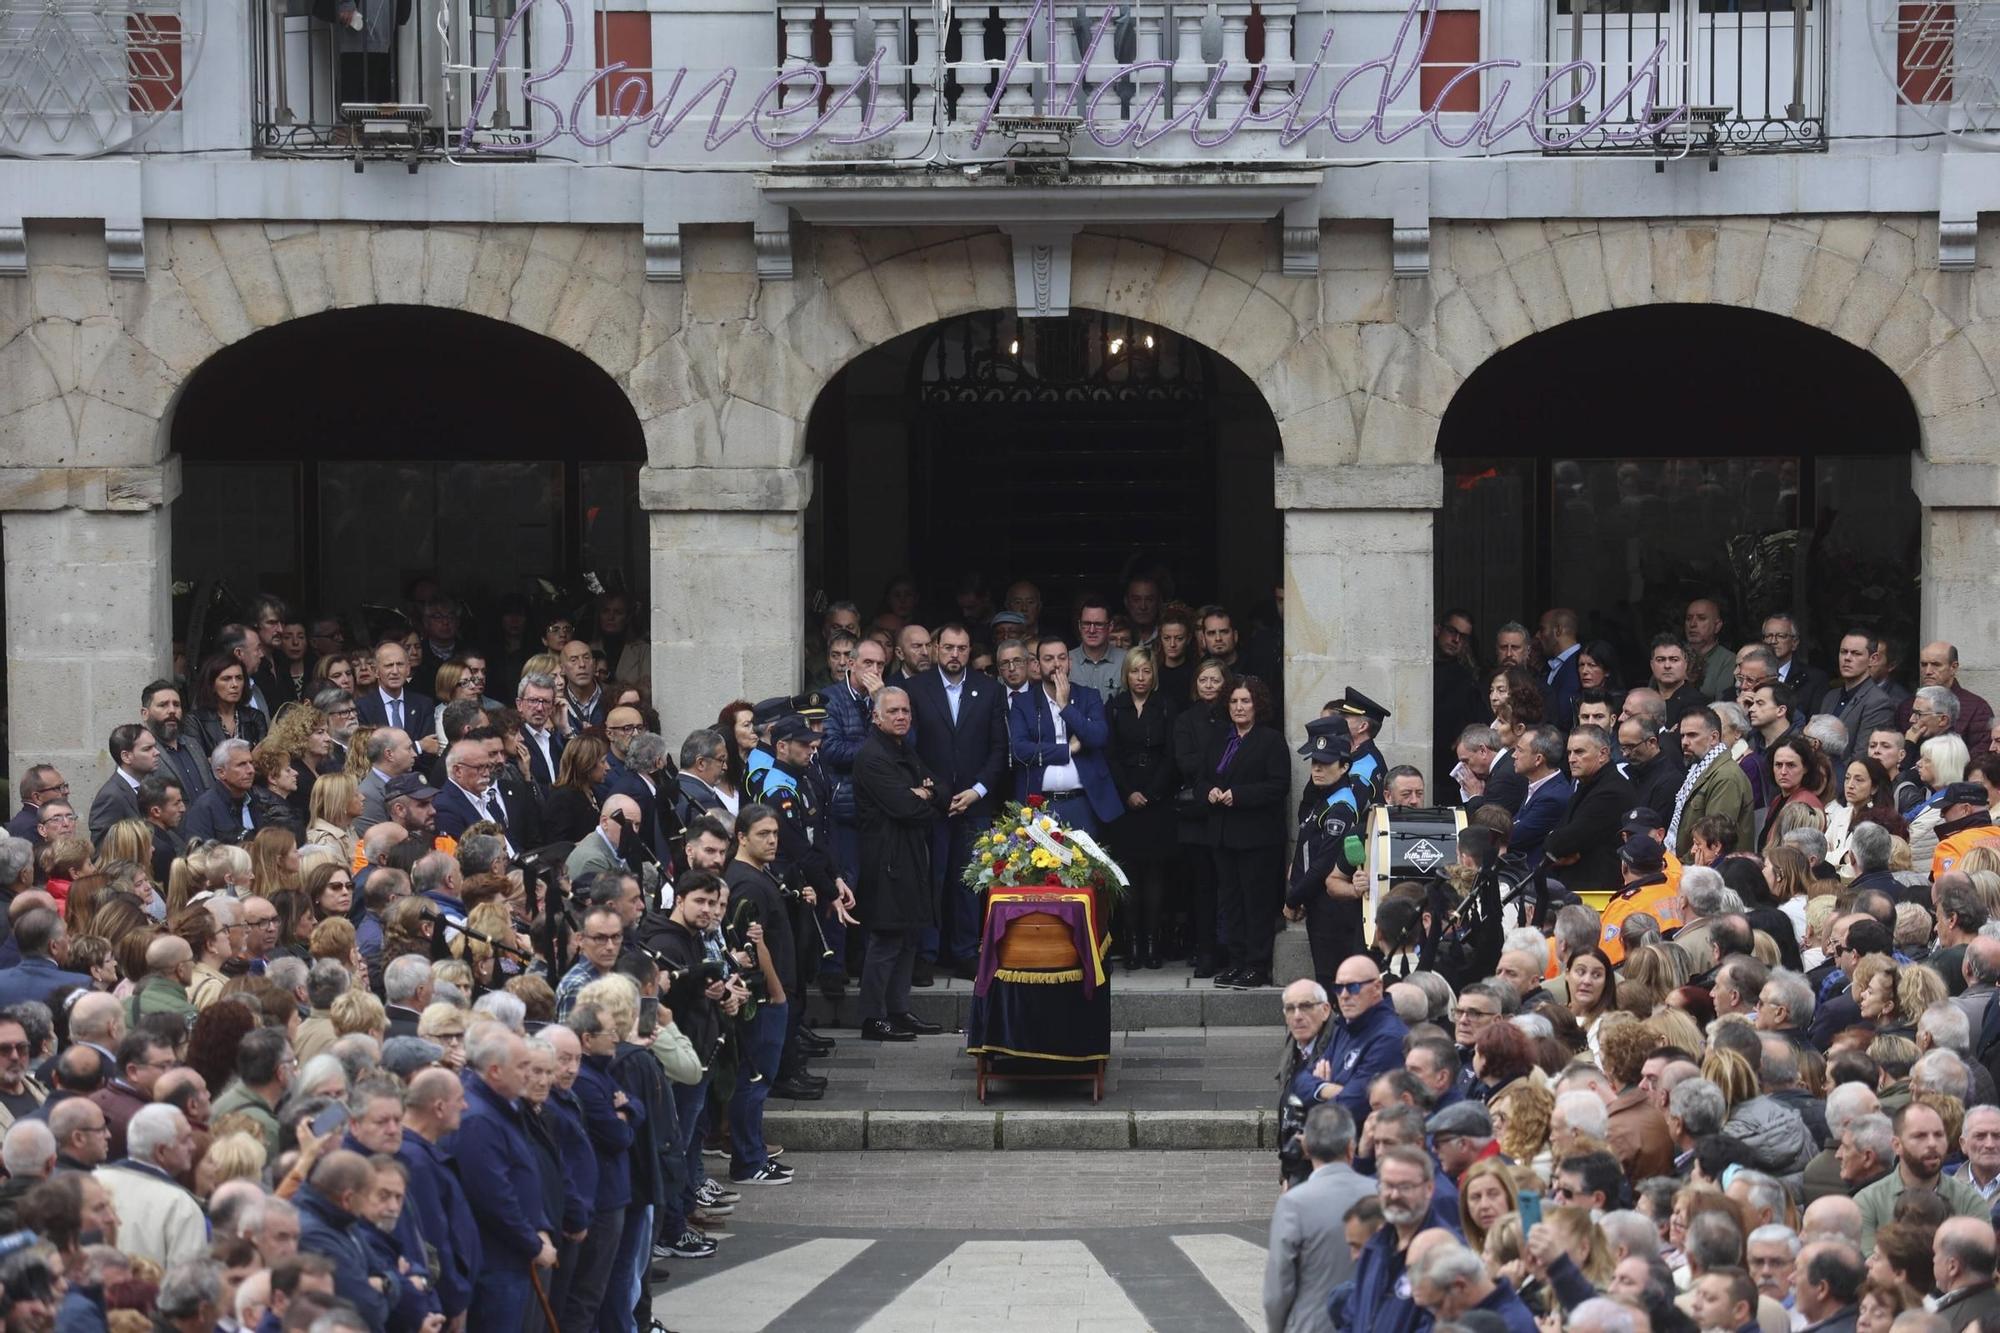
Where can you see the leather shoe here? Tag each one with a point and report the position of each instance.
(809, 1035)
(796, 1091)
(916, 1027)
(875, 1029)
(923, 973)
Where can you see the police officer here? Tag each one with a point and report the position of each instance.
(756, 765)
(804, 866)
(1326, 886)
(1364, 718)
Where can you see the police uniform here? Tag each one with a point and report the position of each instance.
(1330, 821)
(805, 858)
(755, 764)
(1367, 768)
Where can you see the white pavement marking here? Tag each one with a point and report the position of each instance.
(1051, 1286)
(1234, 1267)
(750, 1296)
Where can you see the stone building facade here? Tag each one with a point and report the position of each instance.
(722, 370)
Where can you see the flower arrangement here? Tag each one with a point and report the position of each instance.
(1028, 847)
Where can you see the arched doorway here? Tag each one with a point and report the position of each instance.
(340, 459)
(1072, 452)
(1625, 463)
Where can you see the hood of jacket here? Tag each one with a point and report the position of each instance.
(1773, 1134)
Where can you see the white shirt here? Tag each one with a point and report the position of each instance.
(954, 691)
(1539, 783)
(393, 709)
(1555, 663)
(1059, 777)
(541, 740)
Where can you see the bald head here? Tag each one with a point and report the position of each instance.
(99, 1018)
(28, 901)
(1832, 1217)
(1982, 961)
(167, 954)
(432, 1086)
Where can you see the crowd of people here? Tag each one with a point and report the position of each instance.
(1702, 1030)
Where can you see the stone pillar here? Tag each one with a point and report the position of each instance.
(728, 587)
(1358, 595)
(89, 609)
(1961, 563)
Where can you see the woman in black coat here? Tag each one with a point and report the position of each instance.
(1192, 726)
(1245, 774)
(1141, 759)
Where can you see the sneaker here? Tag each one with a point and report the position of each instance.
(692, 1245)
(719, 1154)
(711, 1192)
(768, 1174)
(713, 1208)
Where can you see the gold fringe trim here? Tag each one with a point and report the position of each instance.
(1016, 974)
(1033, 1055)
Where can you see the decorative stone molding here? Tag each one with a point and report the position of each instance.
(1391, 486)
(125, 249)
(122, 490)
(1043, 263)
(13, 250)
(663, 255)
(725, 489)
(1410, 251)
(1958, 244)
(1301, 245)
(774, 251)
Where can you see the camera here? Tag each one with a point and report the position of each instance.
(1293, 1165)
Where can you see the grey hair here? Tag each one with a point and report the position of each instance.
(1318, 992)
(1828, 732)
(1533, 1025)
(288, 972)
(1584, 1113)
(218, 758)
(535, 680)
(1795, 992)
(151, 1129)
(1479, 736)
(327, 982)
(1329, 1133)
(405, 977)
(1713, 1241)
(487, 1044)
(1869, 844)
(477, 854)
(1775, 1233)
(1447, 1263)
(1942, 699)
(1498, 991)
(379, 742)
(432, 872)
(373, 1089)
(1779, 1067)
(1702, 888)
(1577, 925)
(1949, 1028)
(16, 855)
(1732, 717)
(1765, 1192)
(647, 753)
(319, 1067)
(1601, 1314)
(1941, 1071)
(1847, 1103)
(1633, 1230)
(27, 1148)
(1547, 742)
(1700, 1106)
(1527, 940)
(502, 1008)
(332, 699)
(1874, 1133)
(888, 690)
(700, 744)
(1811, 841)
(186, 1286)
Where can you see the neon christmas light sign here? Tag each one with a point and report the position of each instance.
(1353, 106)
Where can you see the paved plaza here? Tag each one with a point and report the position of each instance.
(1059, 1241)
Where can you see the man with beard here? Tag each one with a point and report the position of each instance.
(1380, 1297)
(1920, 1145)
(161, 710)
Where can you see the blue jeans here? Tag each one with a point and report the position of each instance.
(956, 934)
(628, 1273)
(689, 1098)
(763, 1043)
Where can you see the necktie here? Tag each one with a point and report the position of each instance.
(396, 707)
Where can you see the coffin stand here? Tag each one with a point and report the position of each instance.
(1041, 1010)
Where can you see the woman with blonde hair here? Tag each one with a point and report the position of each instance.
(1892, 997)
(303, 732)
(1821, 909)
(334, 938)
(274, 856)
(1941, 761)
(336, 804)
(229, 1157)
(1486, 1193)
(1772, 1135)
(357, 766)
(1674, 1028)
(127, 840)
(1520, 1118)
(61, 861)
(1661, 968)
(445, 1024)
(359, 1011)
(570, 812)
(1980, 856)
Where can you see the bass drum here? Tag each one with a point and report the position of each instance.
(1406, 843)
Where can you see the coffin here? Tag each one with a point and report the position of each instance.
(1039, 941)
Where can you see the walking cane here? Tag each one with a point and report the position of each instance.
(535, 1279)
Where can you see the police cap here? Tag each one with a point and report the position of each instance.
(1356, 704)
(1327, 741)
(791, 727)
(811, 705)
(766, 711)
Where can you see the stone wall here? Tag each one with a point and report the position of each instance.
(722, 371)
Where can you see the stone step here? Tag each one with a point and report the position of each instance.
(1084, 1128)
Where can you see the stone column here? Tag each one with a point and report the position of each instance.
(1961, 563)
(728, 587)
(1358, 595)
(89, 609)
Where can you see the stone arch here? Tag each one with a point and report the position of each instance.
(1870, 281)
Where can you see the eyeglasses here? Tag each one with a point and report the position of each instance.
(1561, 1192)
(1302, 1007)
(1480, 1015)
(1352, 988)
(624, 730)
(60, 790)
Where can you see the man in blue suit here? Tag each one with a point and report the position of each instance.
(389, 704)
(1558, 638)
(1539, 758)
(1057, 734)
(961, 735)
(461, 801)
(502, 1183)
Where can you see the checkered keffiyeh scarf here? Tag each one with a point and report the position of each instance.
(1687, 789)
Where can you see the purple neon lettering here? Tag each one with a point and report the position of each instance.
(633, 84)
(499, 62)
(1389, 94)
(1480, 122)
(1186, 120)
(1141, 112)
(776, 87)
(1256, 87)
(1014, 54)
(1089, 54)
(870, 78)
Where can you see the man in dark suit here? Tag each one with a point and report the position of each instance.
(1538, 760)
(462, 800)
(1057, 733)
(650, 781)
(391, 704)
(1781, 636)
(38, 784)
(136, 754)
(1584, 847)
(961, 736)
(1557, 638)
(1861, 703)
(535, 701)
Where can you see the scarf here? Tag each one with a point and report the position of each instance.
(1687, 788)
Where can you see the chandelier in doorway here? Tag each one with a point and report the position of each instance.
(1085, 358)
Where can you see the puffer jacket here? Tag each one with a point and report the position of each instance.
(846, 727)
(1362, 1049)
(1773, 1134)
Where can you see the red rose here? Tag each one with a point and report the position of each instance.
(1056, 836)
(1035, 802)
